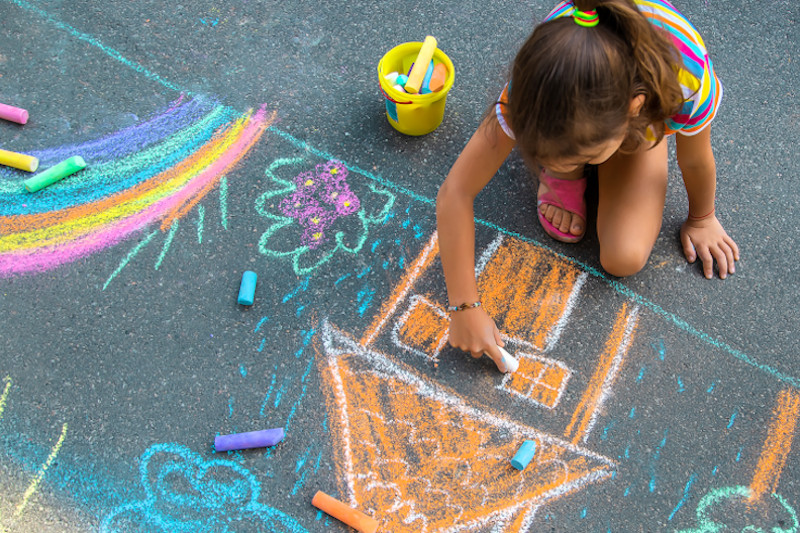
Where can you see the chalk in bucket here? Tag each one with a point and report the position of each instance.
(413, 114)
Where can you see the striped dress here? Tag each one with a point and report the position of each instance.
(702, 89)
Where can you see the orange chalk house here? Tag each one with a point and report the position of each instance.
(419, 457)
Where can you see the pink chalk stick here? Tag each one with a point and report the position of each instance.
(14, 114)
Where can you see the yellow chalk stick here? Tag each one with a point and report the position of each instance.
(20, 161)
(417, 75)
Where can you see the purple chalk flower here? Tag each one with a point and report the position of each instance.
(320, 198)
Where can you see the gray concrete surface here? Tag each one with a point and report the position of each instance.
(121, 365)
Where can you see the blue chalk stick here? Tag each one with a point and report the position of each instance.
(524, 455)
(426, 81)
(401, 80)
(247, 289)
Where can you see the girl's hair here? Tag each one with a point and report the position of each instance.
(571, 86)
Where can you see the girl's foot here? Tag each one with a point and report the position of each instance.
(562, 207)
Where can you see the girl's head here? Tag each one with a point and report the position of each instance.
(576, 90)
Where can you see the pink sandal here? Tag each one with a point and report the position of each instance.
(566, 194)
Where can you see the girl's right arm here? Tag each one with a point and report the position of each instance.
(471, 330)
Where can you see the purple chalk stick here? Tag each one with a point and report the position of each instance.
(14, 114)
(252, 439)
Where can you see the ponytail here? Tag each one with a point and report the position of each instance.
(657, 61)
(571, 85)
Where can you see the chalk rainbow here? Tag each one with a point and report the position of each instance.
(151, 173)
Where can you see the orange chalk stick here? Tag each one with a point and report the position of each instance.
(438, 78)
(345, 513)
(417, 75)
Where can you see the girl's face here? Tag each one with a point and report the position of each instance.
(594, 156)
(598, 154)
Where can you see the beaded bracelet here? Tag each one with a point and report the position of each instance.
(462, 307)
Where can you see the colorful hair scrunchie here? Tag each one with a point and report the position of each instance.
(587, 19)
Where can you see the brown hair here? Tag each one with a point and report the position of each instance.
(571, 86)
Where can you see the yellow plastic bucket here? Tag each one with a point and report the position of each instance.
(413, 114)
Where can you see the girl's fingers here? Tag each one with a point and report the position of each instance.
(733, 246)
(722, 262)
(730, 258)
(688, 248)
(708, 263)
(497, 338)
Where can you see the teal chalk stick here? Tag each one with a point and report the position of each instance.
(247, 289)
(426, 81)
(524, 455)
(53, 174)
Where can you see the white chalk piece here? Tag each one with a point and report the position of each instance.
(509, 361)
(392, 77)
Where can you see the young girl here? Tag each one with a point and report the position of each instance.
(599, 82)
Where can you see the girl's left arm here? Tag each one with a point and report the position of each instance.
(702, 235)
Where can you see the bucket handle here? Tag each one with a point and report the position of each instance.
(390, 98)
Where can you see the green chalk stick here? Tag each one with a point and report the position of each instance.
(53, 174)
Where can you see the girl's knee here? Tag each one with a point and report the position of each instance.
(623, 261)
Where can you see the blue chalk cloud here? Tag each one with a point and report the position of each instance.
(729, 510)
(185, 493)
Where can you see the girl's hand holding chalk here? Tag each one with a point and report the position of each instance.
(473, 331)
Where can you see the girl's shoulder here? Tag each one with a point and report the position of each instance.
(701, 88)
(664, 15)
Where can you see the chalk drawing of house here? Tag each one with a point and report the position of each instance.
(419, 456)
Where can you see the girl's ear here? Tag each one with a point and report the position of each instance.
(636, 105)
